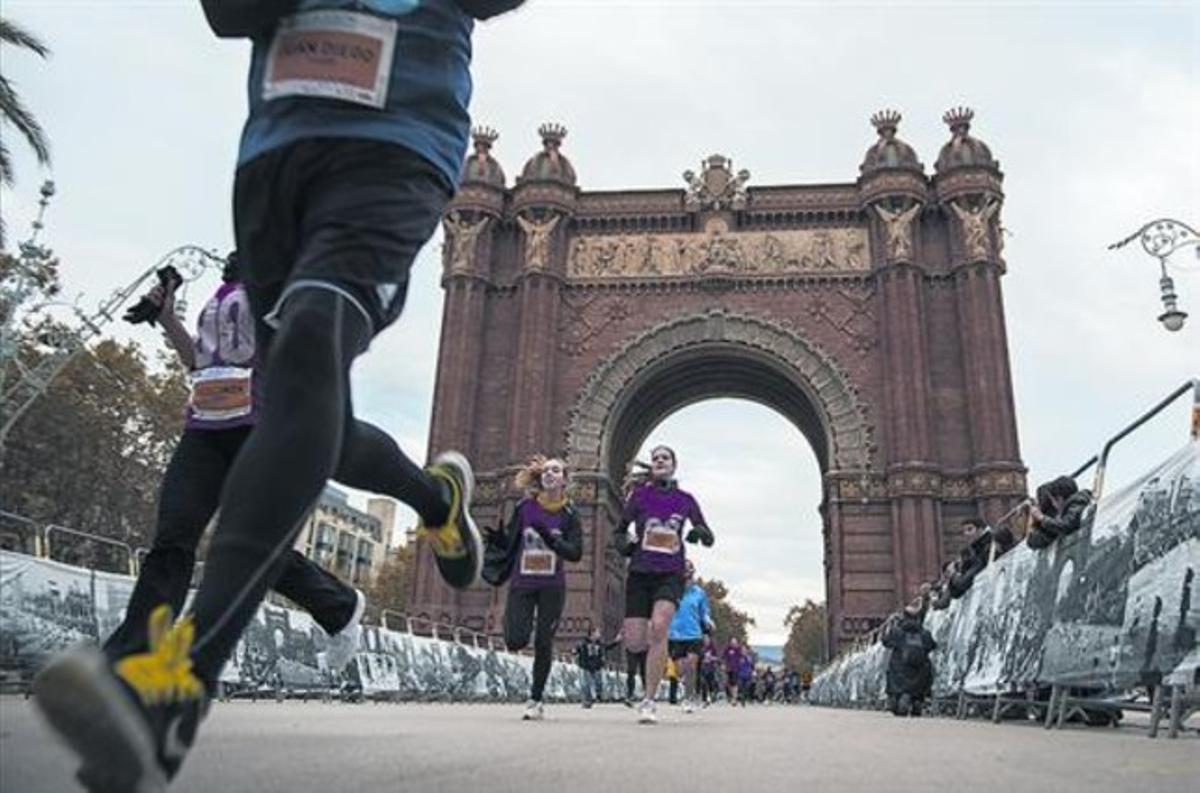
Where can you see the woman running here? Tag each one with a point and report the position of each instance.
(658, 510)
(542, 534)
(225, 366)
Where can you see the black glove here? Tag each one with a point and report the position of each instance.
(702, 535)
(147, 308)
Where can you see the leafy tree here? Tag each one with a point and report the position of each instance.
(731, 622)
(806, 646)
(89, 453)
(392, 585)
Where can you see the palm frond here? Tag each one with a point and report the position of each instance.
(14, 112)
(12, 33)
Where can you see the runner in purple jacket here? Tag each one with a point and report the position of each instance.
(650, 533)
(529, 554)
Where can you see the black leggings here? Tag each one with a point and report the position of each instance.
(547, 603)
(305, 434)
(187, 500)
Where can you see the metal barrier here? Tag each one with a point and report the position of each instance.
(1066, 609)
(88, 537)
(1101, 460)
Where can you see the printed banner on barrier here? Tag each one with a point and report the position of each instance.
(47, 606)
(1112, 607)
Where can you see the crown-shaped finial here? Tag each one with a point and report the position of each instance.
(885, 122)
(552, 134)
(959, 119)
(484, 138)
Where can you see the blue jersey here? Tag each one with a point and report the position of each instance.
(396, 71)
(691, 616)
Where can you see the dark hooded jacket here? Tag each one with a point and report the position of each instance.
(503, 545)
(1064, 523)
(909, 669)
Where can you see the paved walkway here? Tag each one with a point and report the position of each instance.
(336, 748)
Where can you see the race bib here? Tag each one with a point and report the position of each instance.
(340, 55)
(221, 392)
(660, 539)
(539, 563)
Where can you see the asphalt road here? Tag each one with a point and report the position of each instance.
(342, 748)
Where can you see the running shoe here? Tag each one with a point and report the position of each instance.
(344, 644)
(457, 544)
(131, 722)
(647, 712)
(688, 707)
(534, 711)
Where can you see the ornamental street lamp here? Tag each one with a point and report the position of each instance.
(1160, 238)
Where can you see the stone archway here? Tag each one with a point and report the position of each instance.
(869, 313)
(713, 354)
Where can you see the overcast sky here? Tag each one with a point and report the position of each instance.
(1093, 110)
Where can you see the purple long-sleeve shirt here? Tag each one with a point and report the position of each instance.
(659, 513)
(226, 386)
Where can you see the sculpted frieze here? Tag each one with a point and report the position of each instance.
(748, 253)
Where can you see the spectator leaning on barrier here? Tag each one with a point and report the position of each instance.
(1060, 511)
(909, 673)
(941, 595)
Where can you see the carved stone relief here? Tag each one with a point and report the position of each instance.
(462, 236)
(750, 253)
(537, 240)
(897, 225)
(976, 224)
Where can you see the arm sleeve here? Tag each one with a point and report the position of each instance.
(485, 9)
(696, 516)
(1069, 521)
(620, 530)
(570, 545)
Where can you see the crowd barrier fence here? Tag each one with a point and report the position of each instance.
(1108, 611)
(48, 605)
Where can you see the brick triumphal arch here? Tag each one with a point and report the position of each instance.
(869, 314)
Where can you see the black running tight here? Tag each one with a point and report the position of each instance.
(304, 434)
(524, 609)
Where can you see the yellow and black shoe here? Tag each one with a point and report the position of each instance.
(457, 545)
(131, 722)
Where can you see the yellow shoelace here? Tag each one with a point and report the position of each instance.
(164, 675)
(445, 539)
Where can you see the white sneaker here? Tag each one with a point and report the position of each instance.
(534, 711)
(688, 707)
(344, 644)
(647, 712)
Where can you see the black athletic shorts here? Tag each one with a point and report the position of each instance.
(344, 214)
(682, 648)
(642, 590)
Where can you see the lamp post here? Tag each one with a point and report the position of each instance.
(1160, 238)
